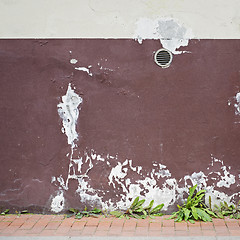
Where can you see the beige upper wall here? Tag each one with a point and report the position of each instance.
(114, 18)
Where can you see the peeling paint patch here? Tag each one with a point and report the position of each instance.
(68, 111)
(227, 179)
(58, 203)
(73, 61)
(84, 69)
(127, 180)
(237, 104)
(169, 31)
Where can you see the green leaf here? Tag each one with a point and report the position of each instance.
(140, 203)
(144, 213)
(210, 202)
(186, 213)
(5, 212)
(157, 209)
(73, 210)
(203, 215)
(191, 221)
(136, 216)
(194, 213)
(93, 215)
(134, 202)
(226, 205)
(220, 215)
(180, 216)
(210, 212)
(201, 192)
(84, 212)
(216, 207)
(96, 210)
(78, 216)
(116, 213)
(24, 211)
(138, 210)
(191, 192)
(158, 214)
(174, 214)
(149, 206)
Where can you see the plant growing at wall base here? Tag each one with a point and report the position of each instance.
(85, 213)
(227, 210)
(194, 208)
(137, 210)
(4, 212)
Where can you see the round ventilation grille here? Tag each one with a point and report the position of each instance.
(163, 58)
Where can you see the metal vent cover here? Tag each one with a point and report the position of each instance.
(163, 58)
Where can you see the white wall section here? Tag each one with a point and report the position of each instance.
(114, 18)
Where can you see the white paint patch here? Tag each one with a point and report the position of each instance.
(68, 111)
(169, 31)
(73, 61)
(237, 104)
(84, 69)
(53, 179)
(227, 180)
(58, 202)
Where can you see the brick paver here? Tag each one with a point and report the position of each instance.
(59, 225)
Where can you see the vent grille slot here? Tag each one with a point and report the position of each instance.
(163, 58)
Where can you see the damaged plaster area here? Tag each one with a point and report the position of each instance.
(123, 180)
(68, 112)
(235, 103)
(169, 31)
(84, 69)
(101, 65)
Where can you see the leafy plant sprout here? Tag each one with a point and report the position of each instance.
(85, 213)
(194, 208)
(226, 210)
(136, 210)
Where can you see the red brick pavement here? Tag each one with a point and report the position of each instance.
(58, 225)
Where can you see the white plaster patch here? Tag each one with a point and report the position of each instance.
(227, 180)
(53, 179)
(73, 61)
(58, 202)
(237, 104)
(84, 69)
(169, 31)
(68, 111)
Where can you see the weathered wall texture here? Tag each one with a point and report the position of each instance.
(94, 121)
(98, 122)
(114, 18)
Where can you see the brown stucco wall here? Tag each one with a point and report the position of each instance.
(182, 117)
